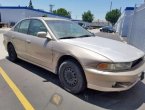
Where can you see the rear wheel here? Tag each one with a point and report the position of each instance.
(12, 53)
(72, 77)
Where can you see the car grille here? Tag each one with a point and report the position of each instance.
(136, 62)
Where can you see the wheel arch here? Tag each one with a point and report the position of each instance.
(68, 57)
(9, 43)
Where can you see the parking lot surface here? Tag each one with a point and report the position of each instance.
(42, 90)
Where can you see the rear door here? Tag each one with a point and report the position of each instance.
(19, 35)
(39, 50)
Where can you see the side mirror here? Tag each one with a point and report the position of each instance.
(48, 36)
(42, 34)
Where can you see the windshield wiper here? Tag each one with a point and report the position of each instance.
(70, 37)
(86, 35)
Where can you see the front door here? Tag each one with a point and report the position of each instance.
(39, 50)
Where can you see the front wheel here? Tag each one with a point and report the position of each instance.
(72, 77)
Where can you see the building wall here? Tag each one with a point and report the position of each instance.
(137, 33)
(30, 13)
(14, 14)
(124, 22)
(118, 25)
(100, 23)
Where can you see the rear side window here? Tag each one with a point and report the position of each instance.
(35, 27)
(23, 28)
(17, 27)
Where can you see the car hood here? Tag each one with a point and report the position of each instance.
(113, 50)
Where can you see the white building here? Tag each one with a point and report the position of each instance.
(14, 14)
(136, 36)
(124, 22)
(132, 25)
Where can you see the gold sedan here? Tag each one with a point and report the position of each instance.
(80, 58)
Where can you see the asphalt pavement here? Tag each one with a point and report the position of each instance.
(42, 90)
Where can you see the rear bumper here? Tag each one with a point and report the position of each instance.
(111, 81)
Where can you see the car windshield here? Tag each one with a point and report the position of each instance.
(67, 29)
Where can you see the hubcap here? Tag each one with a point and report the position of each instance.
(70, 76)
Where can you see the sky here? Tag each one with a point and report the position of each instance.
(77, 7)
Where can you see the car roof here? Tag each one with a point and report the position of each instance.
(42, 18)
(48, 18)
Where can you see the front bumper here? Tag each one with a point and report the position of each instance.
(113, 81)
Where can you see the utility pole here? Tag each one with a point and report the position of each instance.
(110, 10)
(111, 6)
(51, 7)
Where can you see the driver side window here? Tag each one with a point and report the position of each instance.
(35, 27)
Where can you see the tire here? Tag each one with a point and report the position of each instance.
(72, 77)
(12, 53)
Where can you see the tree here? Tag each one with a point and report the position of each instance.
(87, 16)
(62, 12)
(30, 4)
(112, 16)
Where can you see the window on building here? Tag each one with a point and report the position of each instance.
(35, 27)
(24, 26)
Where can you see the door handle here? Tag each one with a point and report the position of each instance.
(28, 41)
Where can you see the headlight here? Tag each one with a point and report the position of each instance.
(114, 66)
